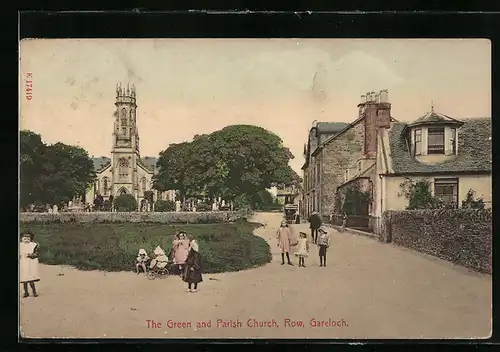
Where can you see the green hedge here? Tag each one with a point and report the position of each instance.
(461, 236)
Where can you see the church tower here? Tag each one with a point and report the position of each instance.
(125, 151)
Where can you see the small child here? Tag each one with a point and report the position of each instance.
(28, 255)
(159, 259)
(323, 243)
(302, 249)
(142, 258)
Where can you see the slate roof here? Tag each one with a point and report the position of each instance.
(474, 150)
(100, 163)
(330, 127)
(148, 162)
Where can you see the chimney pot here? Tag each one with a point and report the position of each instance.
(384, 96)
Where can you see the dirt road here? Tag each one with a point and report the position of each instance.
(368, 290)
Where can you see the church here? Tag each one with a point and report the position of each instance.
(125, 172)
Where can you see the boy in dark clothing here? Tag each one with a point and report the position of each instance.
(315, 223)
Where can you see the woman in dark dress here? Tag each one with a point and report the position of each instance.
(192, 268)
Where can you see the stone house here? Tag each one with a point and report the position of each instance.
(353, 148)
(311, 170)
(454, 156)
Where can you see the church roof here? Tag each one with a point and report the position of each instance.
(330, 127)
(150, 163)
(100, 163)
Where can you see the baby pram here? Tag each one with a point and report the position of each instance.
(159, 265)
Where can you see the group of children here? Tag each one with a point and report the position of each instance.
(285, 242)
(185, 258)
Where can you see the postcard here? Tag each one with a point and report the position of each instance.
(255, 188)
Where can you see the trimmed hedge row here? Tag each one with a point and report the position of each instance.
(461, 236)
(153, 217)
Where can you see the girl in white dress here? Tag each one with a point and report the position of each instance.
(302, 249)
(28, 257)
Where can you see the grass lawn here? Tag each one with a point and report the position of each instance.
(114, 247)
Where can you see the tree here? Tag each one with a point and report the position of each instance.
(125, 203)
(471, 203)
(173, 169)
(419, 195)
(356, 201)
(52, 173)
(236, 160)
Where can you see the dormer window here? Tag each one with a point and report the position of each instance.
(418, 142)
(435, 141)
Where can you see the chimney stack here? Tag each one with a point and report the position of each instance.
(363, 99)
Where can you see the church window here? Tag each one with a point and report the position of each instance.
(105, 186)
(123, 166)
(124, 113)
(143, 184)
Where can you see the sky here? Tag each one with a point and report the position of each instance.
(195, 86)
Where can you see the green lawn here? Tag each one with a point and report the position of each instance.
(114, 247)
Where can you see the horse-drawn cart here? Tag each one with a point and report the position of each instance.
(289, 211)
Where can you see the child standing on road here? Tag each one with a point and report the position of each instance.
(28, 256)
(302, 249)
(323, 243)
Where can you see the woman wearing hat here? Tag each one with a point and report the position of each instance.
(284, 242)
(28, 256)
(192, 267)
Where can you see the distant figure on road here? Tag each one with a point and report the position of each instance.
(297, 217)
(284, 242)
(315, 223)
(344, 222)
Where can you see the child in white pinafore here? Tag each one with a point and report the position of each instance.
(302, 249)
(141, 260)
(28, 257)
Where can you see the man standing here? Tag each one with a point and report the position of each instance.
(315, 223)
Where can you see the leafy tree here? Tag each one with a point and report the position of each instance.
(125, 203)
(173, 169)
(149, 196)
(419, 195)
(52, 174)
(236, 160)
(471, 202)
(164, 205)
(356, 201)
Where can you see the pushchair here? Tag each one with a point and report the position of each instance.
(159, 265)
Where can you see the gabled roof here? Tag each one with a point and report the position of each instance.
(101, 163)
(474, 150)
(150, 163)
(330, 127)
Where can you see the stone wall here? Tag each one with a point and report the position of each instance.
(463, 236)
(337, 156)
(164, 217)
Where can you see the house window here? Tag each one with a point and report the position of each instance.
(418, 142)
(453, 141)
(435, 144)
(359, 166)
(447, 190)
(318, 172)
(346, 175)
(123, 169)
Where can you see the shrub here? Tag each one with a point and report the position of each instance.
(125, 203)
(164, 205)
(356, 201)
(471, 203)
(203, 207)
(419, 195)
(242, 201)
(106, 205)
(114, 247)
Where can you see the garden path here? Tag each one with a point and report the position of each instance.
(379, 290)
